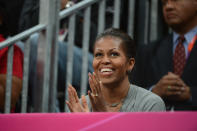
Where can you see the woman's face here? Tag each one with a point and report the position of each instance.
(110, 62)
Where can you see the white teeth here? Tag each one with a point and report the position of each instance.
(106, 70)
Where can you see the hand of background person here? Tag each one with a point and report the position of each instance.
(63, 4)
(172, 87)
(96, 96)
(74, 103)
(185, 95)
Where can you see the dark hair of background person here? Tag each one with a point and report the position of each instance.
(127, 42)
(29, 15)
(10, 12)
(3, 27)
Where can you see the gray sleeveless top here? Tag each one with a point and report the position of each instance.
(139, 100)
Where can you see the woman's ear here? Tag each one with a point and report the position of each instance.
(131, 64)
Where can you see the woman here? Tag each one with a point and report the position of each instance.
(111, 91)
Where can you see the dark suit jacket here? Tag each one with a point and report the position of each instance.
(155, 60)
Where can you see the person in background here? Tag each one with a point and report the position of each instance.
(17, 62)
(28, 19)
(61, 77)
(111, 91)
(168, 67)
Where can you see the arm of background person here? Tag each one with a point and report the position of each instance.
(16, 89)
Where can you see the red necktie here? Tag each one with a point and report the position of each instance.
(179, 58)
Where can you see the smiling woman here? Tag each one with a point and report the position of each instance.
(111, 91)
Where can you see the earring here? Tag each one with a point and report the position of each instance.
(128, 71)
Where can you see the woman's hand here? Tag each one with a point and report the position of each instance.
(96, 96)
(74, 104)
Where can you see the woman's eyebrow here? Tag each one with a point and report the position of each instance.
(98, 49)
(114, 48)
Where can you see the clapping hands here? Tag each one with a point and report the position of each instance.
(96, 97)
(74, 103)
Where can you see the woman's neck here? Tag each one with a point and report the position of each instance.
(116, 92)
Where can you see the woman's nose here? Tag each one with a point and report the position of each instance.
(105, 60)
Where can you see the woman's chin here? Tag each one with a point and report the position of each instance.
(108, 81)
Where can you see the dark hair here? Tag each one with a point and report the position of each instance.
(10, 11)
(3, 26)
(127, 42)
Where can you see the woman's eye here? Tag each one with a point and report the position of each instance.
(98, 54)
(114, 54)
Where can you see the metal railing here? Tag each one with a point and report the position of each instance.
(9, 43)
(48, 48)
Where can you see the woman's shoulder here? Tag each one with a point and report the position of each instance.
(147, 100)
(142, 92)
